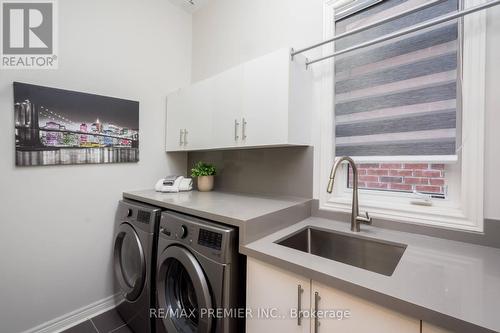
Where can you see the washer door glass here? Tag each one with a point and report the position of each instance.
(130, 265)
(183, 292)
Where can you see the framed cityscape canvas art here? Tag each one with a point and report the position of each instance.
(55, 127)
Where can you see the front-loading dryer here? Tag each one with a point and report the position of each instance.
(135, 262)
(198, 276)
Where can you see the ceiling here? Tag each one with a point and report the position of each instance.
(190, 5)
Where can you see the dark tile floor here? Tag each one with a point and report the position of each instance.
(107, 322)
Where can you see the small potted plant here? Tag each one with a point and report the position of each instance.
(205, 174)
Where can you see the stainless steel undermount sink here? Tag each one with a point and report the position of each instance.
(374, 255)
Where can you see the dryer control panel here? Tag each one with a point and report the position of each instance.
(141, 216)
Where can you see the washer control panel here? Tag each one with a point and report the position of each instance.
(210, 239)
(183, 231)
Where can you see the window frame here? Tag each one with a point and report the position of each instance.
(463, 208)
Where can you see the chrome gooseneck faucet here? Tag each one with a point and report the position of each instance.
(356, 219)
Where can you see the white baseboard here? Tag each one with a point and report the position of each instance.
(78, 316)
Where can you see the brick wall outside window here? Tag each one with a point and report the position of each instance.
(402, 177)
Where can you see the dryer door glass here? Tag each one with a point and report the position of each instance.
(183, 292)
(130, 260)
(130, 264)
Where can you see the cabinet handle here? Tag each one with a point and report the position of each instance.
(299, 304)
(181, 133)
(244, 129)
(185, 137)
(236, 125)
(316, 305)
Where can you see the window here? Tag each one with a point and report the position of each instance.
(409, 110)
(399, 97)
(426, 178)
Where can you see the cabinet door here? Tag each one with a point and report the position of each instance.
(274, 293)
(227, 108)
(189, 117)
(199, 116)
(428, 328)
(363, 317)
(177, 116)
(265, 100)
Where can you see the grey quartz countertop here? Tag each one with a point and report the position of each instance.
(459, 282)
(229, 208)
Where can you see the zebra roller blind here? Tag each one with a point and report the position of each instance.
(400, 97)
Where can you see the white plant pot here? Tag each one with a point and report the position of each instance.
(205, 183)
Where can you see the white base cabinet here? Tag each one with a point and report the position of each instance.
(271, 287)
(272, 296)
(264, 102)
(360, 315)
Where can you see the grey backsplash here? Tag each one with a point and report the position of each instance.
(282, 171)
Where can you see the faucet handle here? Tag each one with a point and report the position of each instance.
(365, 220)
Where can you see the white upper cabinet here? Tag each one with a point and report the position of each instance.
(189, 126)
(226, 113)
(266, 100)
(175, 133)
(263, 102)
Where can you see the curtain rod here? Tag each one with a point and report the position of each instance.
(368, 26)
(400, 33)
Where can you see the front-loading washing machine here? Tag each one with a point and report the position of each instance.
(135, 262)
(199, 275)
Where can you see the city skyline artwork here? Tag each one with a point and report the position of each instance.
(57, 127)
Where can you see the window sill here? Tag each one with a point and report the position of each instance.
(400, 210)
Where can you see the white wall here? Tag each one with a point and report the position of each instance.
(227, 32)
(56, 223)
